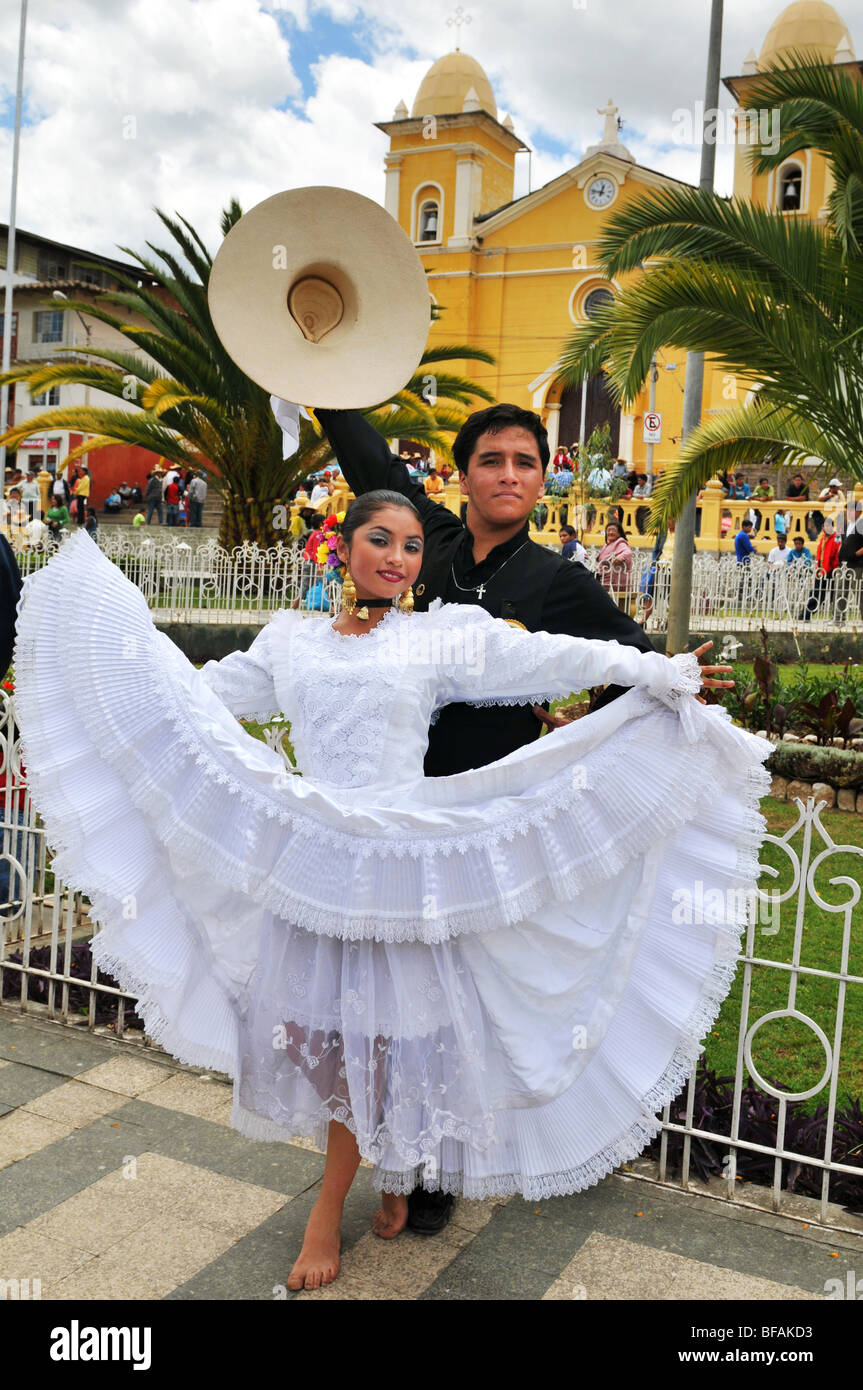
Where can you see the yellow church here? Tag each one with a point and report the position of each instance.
(516, 274)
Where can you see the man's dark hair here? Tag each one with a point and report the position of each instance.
(747, 522)
(492, 420)
(570, 530)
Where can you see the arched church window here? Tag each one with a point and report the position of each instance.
(595, 300)
(428, 221)
(790, 188)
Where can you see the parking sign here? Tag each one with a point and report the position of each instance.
(652, 427)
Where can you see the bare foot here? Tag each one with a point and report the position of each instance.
(318, 1261)
(389, 1220)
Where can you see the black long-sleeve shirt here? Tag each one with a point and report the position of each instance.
(565, 596)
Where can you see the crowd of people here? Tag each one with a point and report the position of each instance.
(181, 493)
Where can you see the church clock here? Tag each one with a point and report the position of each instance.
(600, 193)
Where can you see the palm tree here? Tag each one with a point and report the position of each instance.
(197, 408)
(777, 299)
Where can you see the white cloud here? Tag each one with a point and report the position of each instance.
(183, 104)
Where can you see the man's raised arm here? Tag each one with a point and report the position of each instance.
(364, 458)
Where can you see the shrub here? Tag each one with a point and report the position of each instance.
(806, 762)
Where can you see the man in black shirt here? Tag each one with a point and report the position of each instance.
(488, 559)
(797, 489)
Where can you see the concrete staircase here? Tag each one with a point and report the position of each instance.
(210, 519)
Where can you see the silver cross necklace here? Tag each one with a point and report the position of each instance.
(479, 589)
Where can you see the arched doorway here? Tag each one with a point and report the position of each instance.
(600, 410)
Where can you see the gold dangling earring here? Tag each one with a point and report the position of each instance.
(406, 602)
(349, 594)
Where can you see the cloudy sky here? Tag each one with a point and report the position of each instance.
(183, 104)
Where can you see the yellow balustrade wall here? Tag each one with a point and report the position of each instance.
(721, 517)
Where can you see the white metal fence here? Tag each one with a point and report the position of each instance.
(245, 585)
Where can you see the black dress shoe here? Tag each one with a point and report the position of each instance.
(428, 1212)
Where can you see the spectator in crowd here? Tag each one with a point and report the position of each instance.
(571, 547)
(321, 490)
(743, 547)
(14, 514)
(31, 496)
(60, 490)
(741, 491)
(800, 553)
(197, 495)
(82, 491)
(599, 478)
(172, 500)
(57, 517)
(153, 496)
(620, 469)
(113, 502)
(642, 487)
(851, 549)
(614, 565)
(779, 554)
(833, 499)
(91, 523)
(744, 550)
(764, 491)
(434, 483)
(561, 480)
(798, 491)
(826, 563)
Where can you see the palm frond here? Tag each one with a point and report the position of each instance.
(743, 436)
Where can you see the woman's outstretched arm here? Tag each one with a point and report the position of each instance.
(485, 660)
(243, 681)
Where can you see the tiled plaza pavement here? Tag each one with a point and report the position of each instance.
(121, 1178)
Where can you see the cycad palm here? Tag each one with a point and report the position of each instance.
(196, 405)
(777, 299)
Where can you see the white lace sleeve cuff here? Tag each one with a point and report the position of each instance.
(681, 675)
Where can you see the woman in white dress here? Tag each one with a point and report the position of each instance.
(479, 981)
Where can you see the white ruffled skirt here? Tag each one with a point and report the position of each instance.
(493, 979)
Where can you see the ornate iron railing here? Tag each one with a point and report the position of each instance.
(208, 584)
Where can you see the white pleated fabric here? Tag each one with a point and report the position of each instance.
(485, 976)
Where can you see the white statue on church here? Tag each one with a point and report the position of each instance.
(609, 111)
